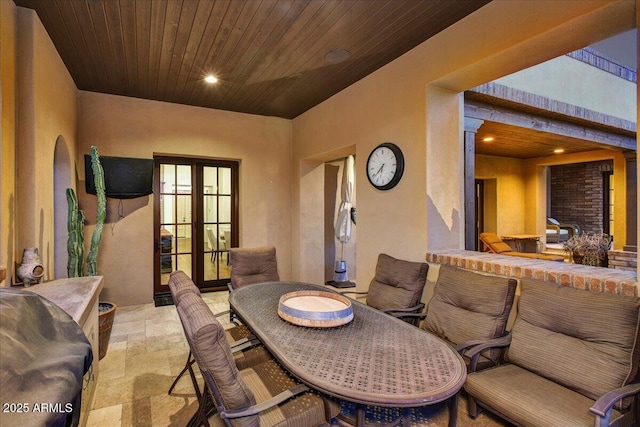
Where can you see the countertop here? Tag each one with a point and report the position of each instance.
(75, 295)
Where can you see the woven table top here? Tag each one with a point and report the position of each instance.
(375, 359)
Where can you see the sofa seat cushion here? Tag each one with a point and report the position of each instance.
(529, 399)
(582, 340)
(470, 306)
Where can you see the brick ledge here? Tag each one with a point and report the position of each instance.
(578, 276)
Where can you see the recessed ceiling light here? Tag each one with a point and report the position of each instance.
(337, 55)
(559, 150)
(210, 79)
(487, 139)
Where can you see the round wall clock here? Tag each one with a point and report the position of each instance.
(385, 166)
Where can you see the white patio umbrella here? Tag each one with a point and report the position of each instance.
(343, 221)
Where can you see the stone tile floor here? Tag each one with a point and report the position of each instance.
(147, 350)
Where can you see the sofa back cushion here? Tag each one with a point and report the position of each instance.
(470, 306)
(584, 340)
(253, 265)
(211, 350)
(397, 283)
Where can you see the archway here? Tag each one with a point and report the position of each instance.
(62, 179)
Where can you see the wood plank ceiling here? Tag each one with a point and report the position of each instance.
(269, 55)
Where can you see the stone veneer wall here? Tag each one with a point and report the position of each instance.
(623, 260)
(596, 279)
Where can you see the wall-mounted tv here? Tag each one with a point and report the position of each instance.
(124, 177)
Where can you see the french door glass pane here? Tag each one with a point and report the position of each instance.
(224, 214)
(184, 179)
(167, 209)
(167, 178)
(216, 210)
(175, 220)
(225, 180)
(210, 208)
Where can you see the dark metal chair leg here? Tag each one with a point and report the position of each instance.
(187, 367)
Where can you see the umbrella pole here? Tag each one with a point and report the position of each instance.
(342, 251)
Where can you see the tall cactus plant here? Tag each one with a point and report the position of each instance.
(75, 224)
(75, 241)
(101, 213)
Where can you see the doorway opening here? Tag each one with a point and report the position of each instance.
(195, 221)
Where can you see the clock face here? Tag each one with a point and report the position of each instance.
(385, 166)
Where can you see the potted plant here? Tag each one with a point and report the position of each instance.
(589, 249)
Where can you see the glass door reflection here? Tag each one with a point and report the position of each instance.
(216, 214)
(176, 200)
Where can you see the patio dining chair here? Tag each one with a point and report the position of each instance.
(397, 287)
(251, 265)
(261, 395)
(246, 352)
(216, 244)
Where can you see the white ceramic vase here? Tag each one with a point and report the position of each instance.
(31, 269)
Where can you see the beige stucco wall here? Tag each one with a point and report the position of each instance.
(47, 114)
(573, 82)
(414, 101)
(510, 191)
(128, 127)
(8, 41)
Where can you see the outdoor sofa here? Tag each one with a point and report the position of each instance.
(572, 360)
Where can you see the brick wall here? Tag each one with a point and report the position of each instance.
(595, 279)
(577, 194)
(623, 260)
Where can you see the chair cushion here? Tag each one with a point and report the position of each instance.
(529, 399)
(470, 306)
(397, 283)
(253, 265)
(596, 332)
(495, 243)
(180, 284)
(211, 350)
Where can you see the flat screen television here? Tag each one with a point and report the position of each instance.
(124, 177)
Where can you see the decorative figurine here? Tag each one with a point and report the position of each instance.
(31, 269)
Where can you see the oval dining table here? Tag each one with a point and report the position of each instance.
(375, 359)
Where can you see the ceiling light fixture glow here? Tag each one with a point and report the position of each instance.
(210, 79)
(559, 150)
(488, 139)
